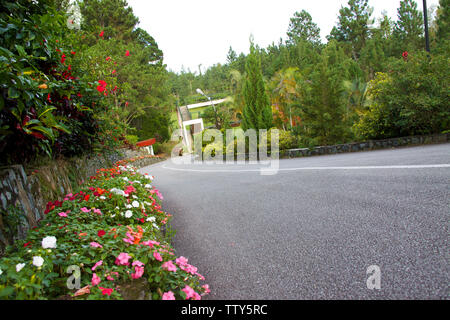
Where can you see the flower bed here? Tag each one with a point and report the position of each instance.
(106, 236)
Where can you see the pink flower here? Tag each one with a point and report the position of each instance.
(168, 296)
(99, 263)
(206, 288)
(110, 278)
(96, 245)
(169, 266)
(122, 259)
(97, 211)
(190, 293)
(137, 263)
(95, 280)
(129, 189)
(150, 243)
(85, 210)
(62, 214)
(127, 53)
(139, 271)
(106, 291)
(181, 261)
(157, 256)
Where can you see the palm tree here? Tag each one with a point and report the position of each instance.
(284, 93)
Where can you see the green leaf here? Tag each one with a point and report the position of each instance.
(13, 93)
(6, 291)
(21, 50)
(46, 131)
(47, 110)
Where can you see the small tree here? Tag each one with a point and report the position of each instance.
(408, 30)
(257, 113)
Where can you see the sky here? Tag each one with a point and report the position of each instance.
(200, 32)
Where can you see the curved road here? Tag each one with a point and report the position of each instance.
(312, 230)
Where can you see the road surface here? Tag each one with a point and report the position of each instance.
(312, 230)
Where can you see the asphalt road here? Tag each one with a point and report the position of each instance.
(312, 233)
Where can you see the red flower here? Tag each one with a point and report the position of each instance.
(101, 34)
(127, 53)
(86, 197)
(26, 244)
(126, 104)
(108, 58)
(101, 233)
(114, 71)
(102, 86)
(405, 55)
(106, 291)
(73, 52)
(63, 58)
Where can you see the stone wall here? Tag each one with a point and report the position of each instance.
(366, 146)
(23, 197)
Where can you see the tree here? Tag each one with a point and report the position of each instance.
(353, 26)
(114, 17)
(322, 105)
(408, 30)
(302, 27)
(284, 92)
(257, 113)
(443, 21)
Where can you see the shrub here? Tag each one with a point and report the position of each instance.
(412, 99)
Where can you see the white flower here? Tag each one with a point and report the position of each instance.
(49, 242)
(156, 226)
(151, 219)
(118, 191)
(38, 261)
(102, 197)
(125, 178)
(113, 216)
(1, 272)
(134, 197)
(137, 182)
(129, 206)
(136, 204)
(19, 266)
(148, 186)
(128, 214)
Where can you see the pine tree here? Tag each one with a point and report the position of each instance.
(443, 21)
(353, 25)
(302, 27)
(257, 112)
(323, 106)
(114, 17)
(409, 30)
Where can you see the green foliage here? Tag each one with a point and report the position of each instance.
(408, 30)
(302, 27)
(44, 106)
(413, 99)
(257, 113)
(322, 106)
(353, 26)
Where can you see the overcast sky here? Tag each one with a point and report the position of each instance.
(193, 32)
